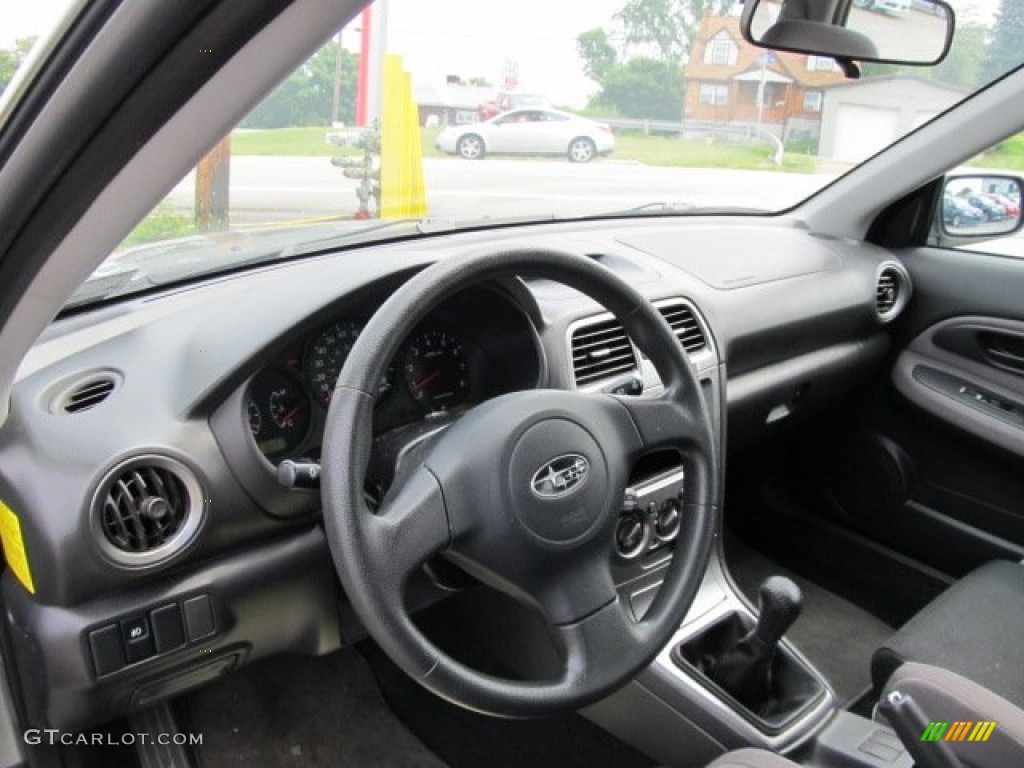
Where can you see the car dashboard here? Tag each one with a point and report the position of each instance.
(197, 394)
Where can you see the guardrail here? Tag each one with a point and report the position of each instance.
(647, 127)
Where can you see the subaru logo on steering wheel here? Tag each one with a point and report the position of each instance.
(560, 476)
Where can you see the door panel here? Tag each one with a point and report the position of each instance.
(931, 464)
(969, 371)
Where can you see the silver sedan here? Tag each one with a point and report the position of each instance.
(529, 132)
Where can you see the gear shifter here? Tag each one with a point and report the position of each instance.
(745, 669)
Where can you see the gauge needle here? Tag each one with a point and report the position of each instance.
(420, 385)
(289, 418)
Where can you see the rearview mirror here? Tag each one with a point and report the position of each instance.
(915, 32)
(980, 207)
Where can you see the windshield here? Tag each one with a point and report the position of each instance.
(421, 117)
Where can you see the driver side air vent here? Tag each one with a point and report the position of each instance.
(892, 291)
(601, 350)
(88, 395)
(146, 510)
(83, 391)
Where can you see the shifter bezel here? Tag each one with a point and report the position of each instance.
(801, 688)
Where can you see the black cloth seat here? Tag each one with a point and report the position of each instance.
(752, 758)
(975, 629)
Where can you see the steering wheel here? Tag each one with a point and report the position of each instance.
(523, 491)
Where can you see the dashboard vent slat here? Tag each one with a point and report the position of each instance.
(88, 394)
(601, 350)
(680, 318)
(892, 291)
(146, 510)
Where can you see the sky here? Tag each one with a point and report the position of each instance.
(469, 38)
(23, 18)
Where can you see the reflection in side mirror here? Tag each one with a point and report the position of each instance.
(915, 32)
(981, 206)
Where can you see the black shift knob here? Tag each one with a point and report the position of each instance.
(780, 601)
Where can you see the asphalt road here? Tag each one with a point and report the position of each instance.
(287, 188)
(266, 189)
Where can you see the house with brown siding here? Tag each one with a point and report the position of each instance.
(727, 78)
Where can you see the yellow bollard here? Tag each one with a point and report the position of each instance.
(402, 191)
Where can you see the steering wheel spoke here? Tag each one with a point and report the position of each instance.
(664, 421)
(410, 527)
(596, 644)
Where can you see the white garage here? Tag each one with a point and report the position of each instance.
(862, 116)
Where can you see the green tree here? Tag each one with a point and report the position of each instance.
(306, 97)
(597, 53)
(644, 88)
(962, 66)
(1005, 52)
(667, 26)
(481, 82)
(11, 58)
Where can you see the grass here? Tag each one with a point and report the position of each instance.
(685, 153)
(163, 223)
(1007, 155)
(650, 150)
(290, 142)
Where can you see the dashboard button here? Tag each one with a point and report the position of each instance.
(199, 617)
(138, 640)
(107, 649)
(168, 628)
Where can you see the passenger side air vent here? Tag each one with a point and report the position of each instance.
(680, 318)
(601, 350)
(146, 510)
(892, 291)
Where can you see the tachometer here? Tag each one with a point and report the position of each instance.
(326, 354)
(435, 370)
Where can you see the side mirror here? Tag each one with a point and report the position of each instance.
(975, 208)
(914, 32)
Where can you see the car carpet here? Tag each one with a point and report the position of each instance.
(466, 739)
(299, 711)
(837, 636)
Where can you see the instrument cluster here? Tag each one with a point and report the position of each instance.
(449, 362)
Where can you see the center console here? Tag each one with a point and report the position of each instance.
(682, 712)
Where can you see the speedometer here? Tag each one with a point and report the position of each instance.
(326, 354)
(435, 370)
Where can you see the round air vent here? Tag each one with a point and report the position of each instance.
(146, 510)
(892, 290)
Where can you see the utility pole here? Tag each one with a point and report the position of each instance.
(213, 175)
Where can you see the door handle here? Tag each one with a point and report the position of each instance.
(1003, 351)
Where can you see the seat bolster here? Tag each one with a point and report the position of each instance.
(752, 758)
(974, 628)
(946, 696)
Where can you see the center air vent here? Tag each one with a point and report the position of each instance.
(601, 350)
(892, 291)
(684, 324)
(146, 510)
